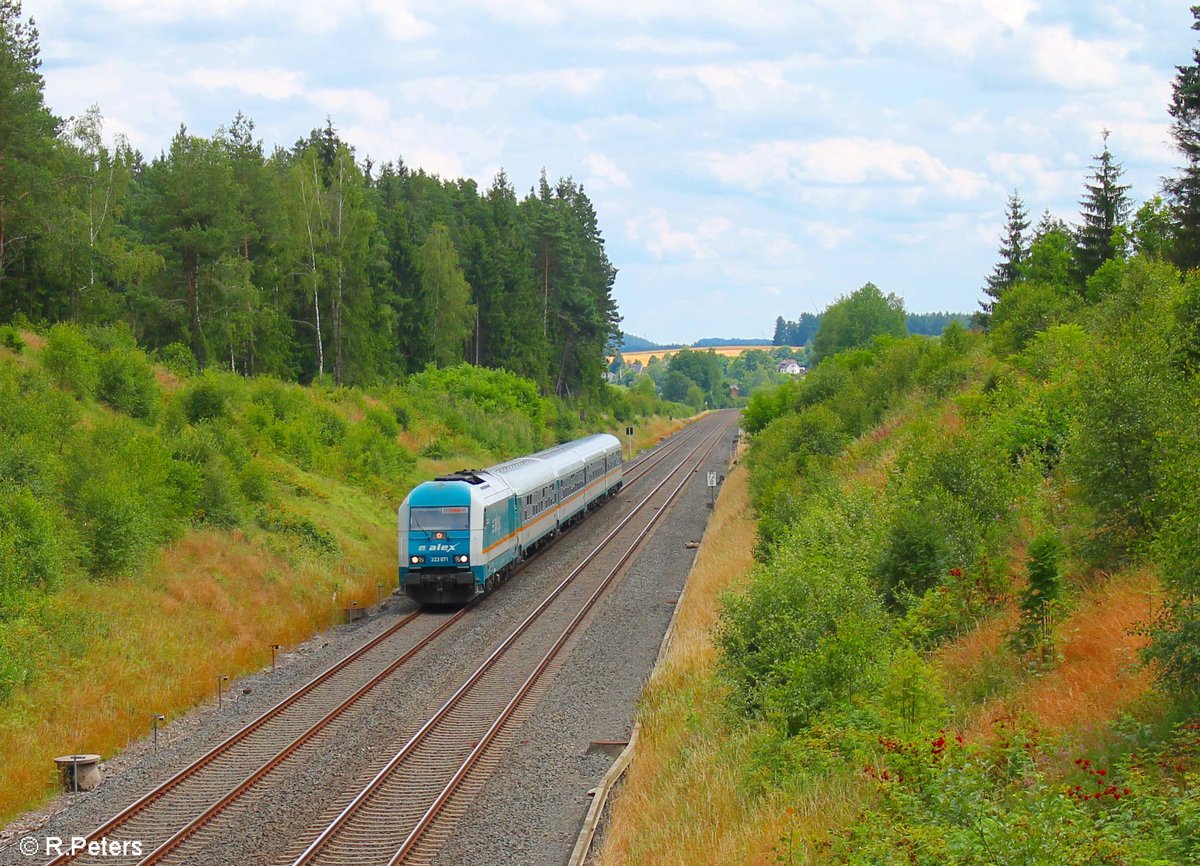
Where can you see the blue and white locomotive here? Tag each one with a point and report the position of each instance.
(463, 534)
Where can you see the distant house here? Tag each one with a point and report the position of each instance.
(791, 366)
(636, 366)
(735, 391)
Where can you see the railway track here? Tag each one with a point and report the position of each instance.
(404, 813)
(178, 809)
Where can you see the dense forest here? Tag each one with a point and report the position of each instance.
(801, 331)
(969, 631)
(302, 262)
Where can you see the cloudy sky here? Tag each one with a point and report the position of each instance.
(748, 158)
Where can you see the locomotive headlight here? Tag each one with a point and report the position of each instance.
(439, 535)
(416, 560)
(463, 558)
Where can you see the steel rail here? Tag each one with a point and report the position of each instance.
(417, 738)
(659, 454)
(154, 794)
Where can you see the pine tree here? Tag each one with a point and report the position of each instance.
(27, 140)
(781, 332)
(1106, 208)
(1013, 250)
(1183, 191)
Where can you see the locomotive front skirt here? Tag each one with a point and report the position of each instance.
(462, 534)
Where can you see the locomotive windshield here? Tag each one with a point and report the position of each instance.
(430, 519)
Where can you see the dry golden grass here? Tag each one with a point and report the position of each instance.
(168, 380)
(212, 604)
(681, 801)
(662, 812)
(724, 558)
(32, 340)
(1097, 676)
(960, 657)
(649, 433)
(868, 459)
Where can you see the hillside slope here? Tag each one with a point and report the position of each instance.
(964, 636)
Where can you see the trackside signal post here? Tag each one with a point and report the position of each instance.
(629, 433)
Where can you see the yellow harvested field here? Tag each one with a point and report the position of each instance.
(727, 351)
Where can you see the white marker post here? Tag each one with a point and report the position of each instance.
(712, 489)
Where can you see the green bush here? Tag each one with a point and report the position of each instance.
(491, 390)
(254, 479)
(179, 359)
(327, 425)
(10, 338)
(373, 458)
(72, 360)
(435, 450)
(939, 802)
(922, 547)
(106, 338)
(284, 401)
(220, 502)
(27, 461)
(117, 524)
(31, 554)
(1040, 599)
(809, 632)
(303, 529)
(205, 400)
(214, 449)
(1026, 308)
(1129, 400)
(1175, 630)
(123, 515)
(402, 414)
(126, 383)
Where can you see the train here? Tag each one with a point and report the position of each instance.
(463, 534)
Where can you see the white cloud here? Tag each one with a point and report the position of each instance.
(268, 83)
(578, 82)
(841, 161)
(1076, 64)
(756, 14)
(1031, 174)
(360, 104)
(398, 21)
(976, 123)
(829, 236)
(754, 86)
(604, 172)
(643, 43)
(654, 231)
